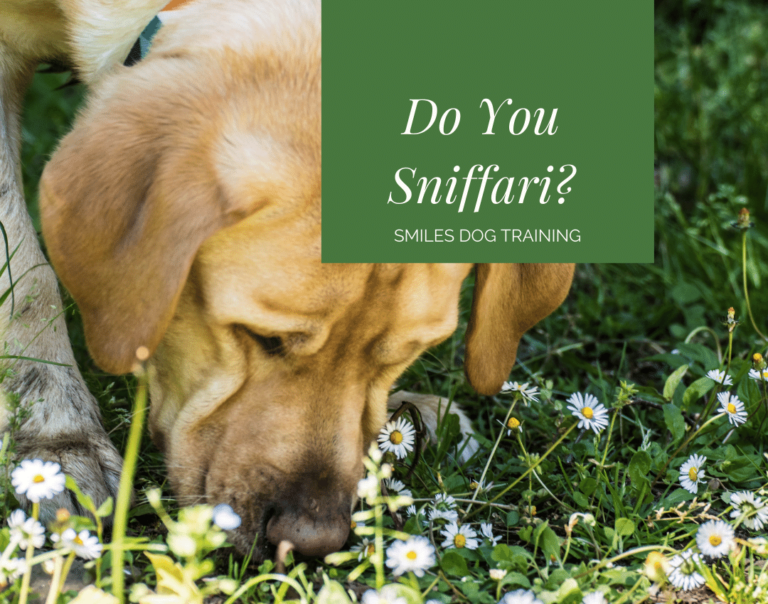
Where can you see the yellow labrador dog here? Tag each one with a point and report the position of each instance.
(183, 214)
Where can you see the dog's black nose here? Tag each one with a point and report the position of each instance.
(316, 526)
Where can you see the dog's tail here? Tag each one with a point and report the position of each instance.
(432, 409)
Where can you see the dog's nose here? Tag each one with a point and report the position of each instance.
(313, 530)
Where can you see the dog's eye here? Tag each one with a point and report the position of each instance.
(271, 345)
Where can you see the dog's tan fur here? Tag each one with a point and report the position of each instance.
(183, 213)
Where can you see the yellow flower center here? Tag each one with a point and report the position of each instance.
(353, 524)
(731, 408)
(39, 478)
(587, 412)
(473, 485)
(396, 437)
(370, 549)
(77, 540)
(692, 474)
(411, 555)
(459, 540)
(715, 540)
(513, 423)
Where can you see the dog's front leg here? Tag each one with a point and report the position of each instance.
(60, 419)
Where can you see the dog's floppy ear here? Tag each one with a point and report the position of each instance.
(509, 299)
(126, 201)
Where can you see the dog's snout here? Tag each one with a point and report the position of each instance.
(316, 526)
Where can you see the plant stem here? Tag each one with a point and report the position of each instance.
(605, 453)
(53, 592)
(67, 567)
(126, 487)
(378, 557)
(523, 475)
(269, 577)
(746, 291)
(431, 585)
(632, 552)
(24, 594)
(682, 447)
(493, 452)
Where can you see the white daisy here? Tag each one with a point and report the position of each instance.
(486, 529)
(443, 508)
(225, 517)
(459, 536)
(684, 575)
(592, 414)
(16, 518)
(38, 479)
(731, 405)
(520, 596)
(10, 569)
(528, 392)
(752, 507)
(368, 488)
(397, 437)
(84, 544)
(444, 501)
(387, 595)
(26, 530)
(720, 377)
(365, 548)
(759, 375)
(411, 510)
(715, 538)
(449, 515)
(415, 555)
(595, 597)
(396, 487)
(692, 473)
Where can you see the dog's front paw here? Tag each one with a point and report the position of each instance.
(62, 423)
(89, 458)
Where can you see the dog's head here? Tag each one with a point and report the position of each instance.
(183, 214)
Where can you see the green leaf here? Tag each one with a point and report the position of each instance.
(550, 544)
(696, 390)
(453, 564)
(333, 593)
(685, 293)
(556, 579)
(502, 553)
(580, 500)
(676, 497)
(588, 486)
(639, 467)
(673, 380)
(512, 518)
(569, 592)
(515, 579)
(83, 499)
(105, 509)
(625, 527)
(699, 353)
(674, 420)
(538, 531)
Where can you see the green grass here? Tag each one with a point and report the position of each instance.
(621, 323)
